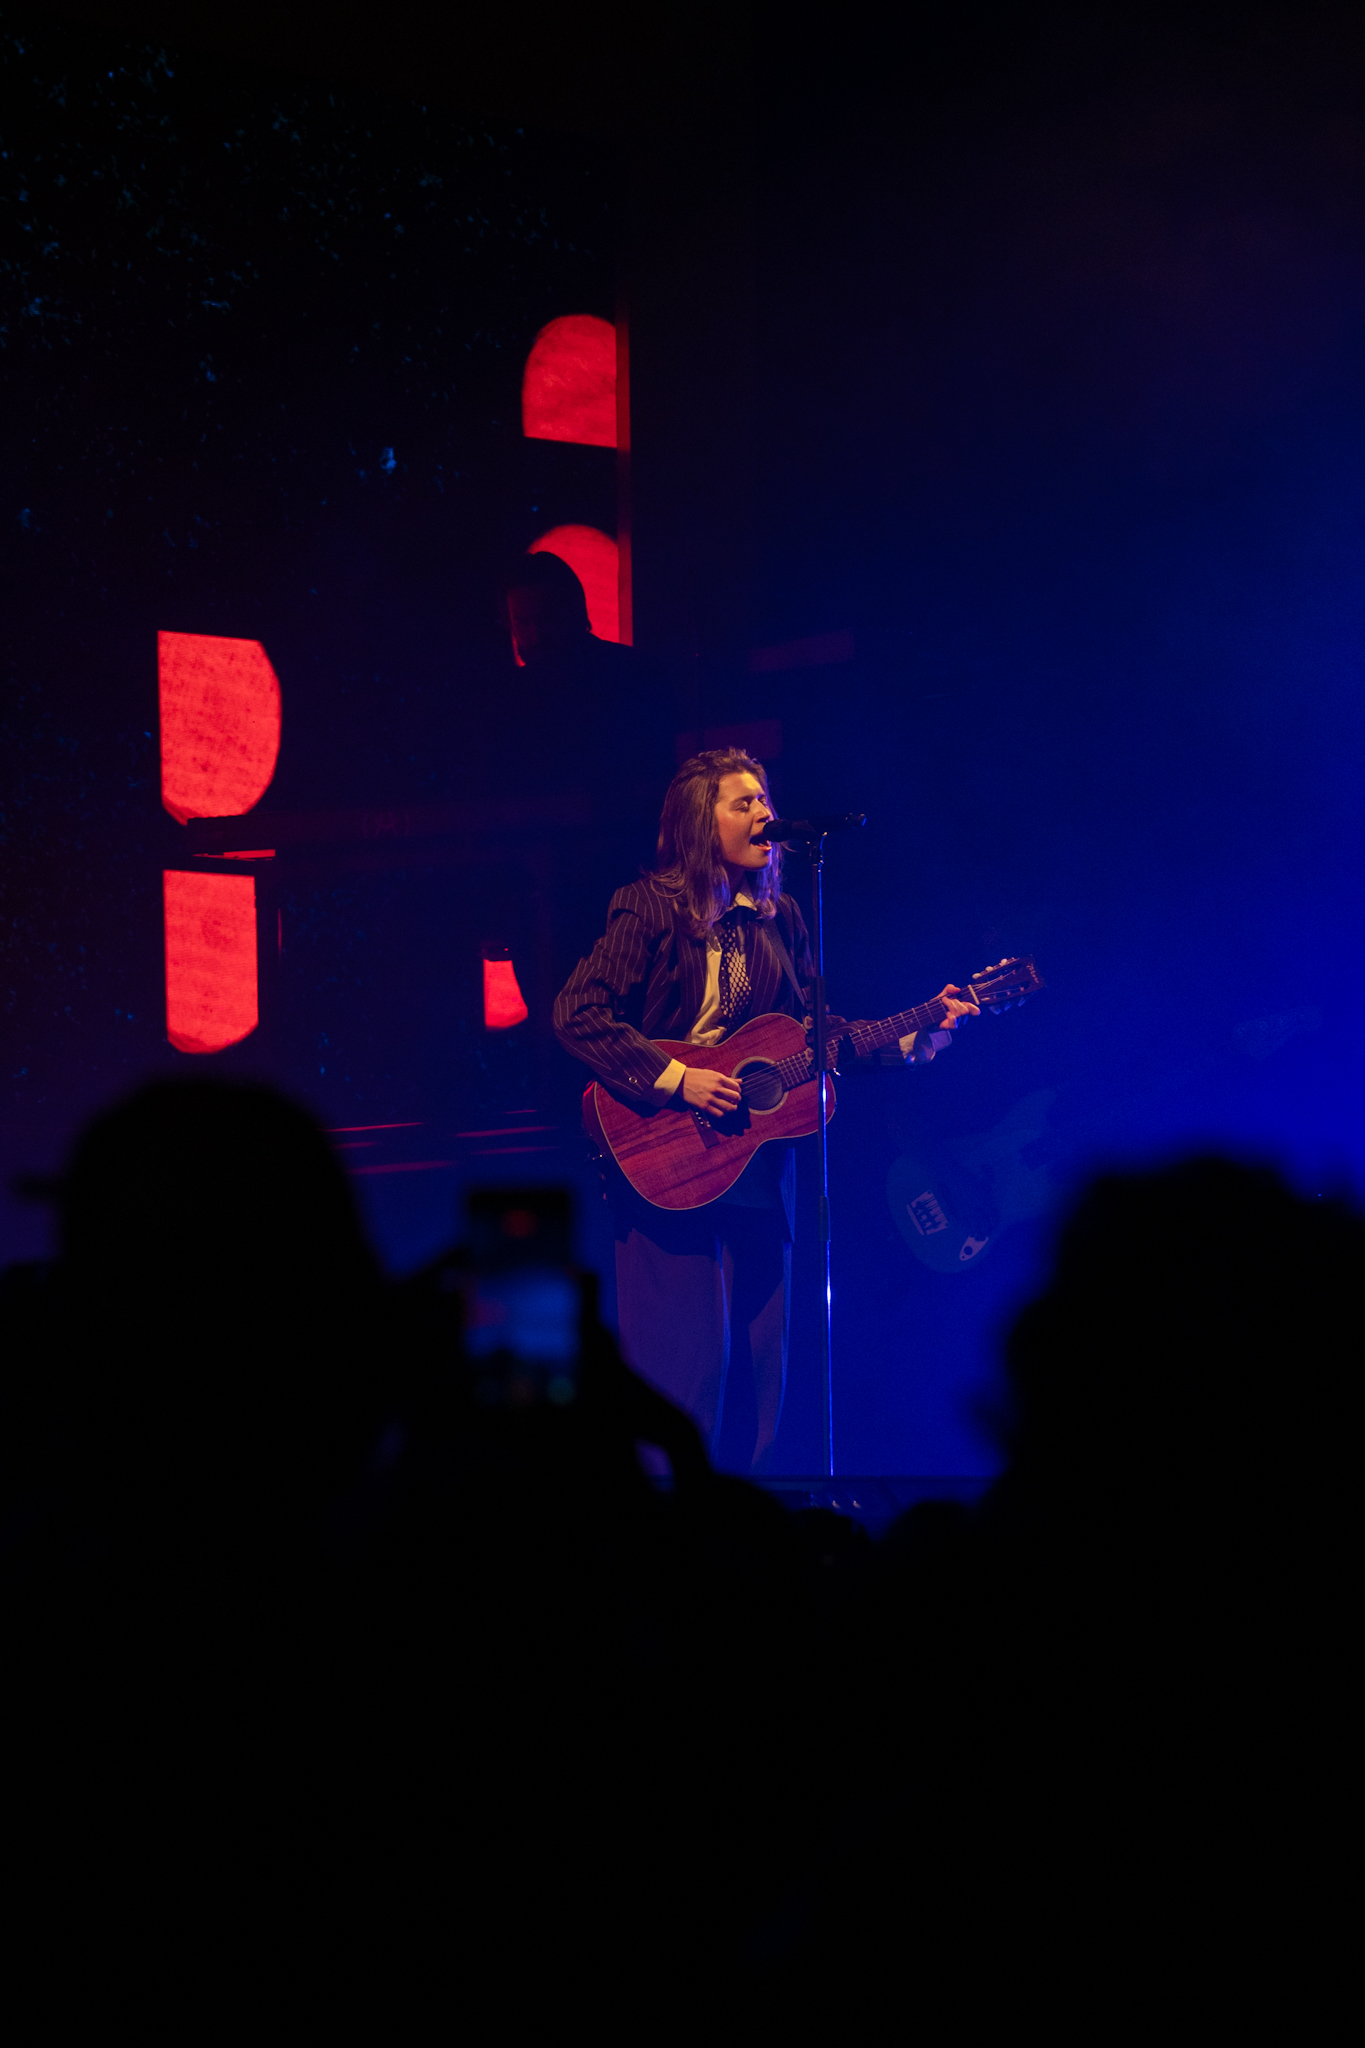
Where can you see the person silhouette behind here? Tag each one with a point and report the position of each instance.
(584, 732)
(547, 613)
(591, 714)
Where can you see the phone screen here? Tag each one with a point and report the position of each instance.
(532, 1313)
(522, 1302)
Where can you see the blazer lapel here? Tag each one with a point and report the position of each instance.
(677, 984)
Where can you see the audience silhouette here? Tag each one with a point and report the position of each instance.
(338, 1681)
(1098, 1722)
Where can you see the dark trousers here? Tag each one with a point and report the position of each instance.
(702, 1293)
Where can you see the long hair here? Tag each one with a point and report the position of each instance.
(689, 862)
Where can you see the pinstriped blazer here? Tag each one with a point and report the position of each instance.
(646, 978)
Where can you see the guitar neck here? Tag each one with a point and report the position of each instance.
(866, 1038)
(1009, 981)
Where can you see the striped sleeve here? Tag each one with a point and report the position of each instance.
(591, 1013)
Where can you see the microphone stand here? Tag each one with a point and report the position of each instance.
(811, 833)
(815, 850)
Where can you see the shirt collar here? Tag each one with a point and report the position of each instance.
(739, 903)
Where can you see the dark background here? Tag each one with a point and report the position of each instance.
(1027, 348)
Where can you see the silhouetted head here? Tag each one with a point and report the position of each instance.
(1193, 1357)
(224, 1299)
(547, 612)
(220, 1176)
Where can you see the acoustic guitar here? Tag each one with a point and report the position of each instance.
(678, 1157)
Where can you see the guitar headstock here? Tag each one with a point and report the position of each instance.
(1009, 981)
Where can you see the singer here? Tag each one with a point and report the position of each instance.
(690, 952)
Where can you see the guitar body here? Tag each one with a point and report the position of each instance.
(681, 1158)
(952, 1200)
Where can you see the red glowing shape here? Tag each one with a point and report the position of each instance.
(210, 960)
(503, 1002)
(596, 562)
(220, 724)
(568, 390)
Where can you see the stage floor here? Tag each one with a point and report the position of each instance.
(875, 1502)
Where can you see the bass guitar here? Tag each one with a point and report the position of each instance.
(954, 1198)
(678, 1157)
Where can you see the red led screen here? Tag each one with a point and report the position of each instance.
(220, 724)
(210, 960)
(593, 557)
(568, 389)
(503, 1002)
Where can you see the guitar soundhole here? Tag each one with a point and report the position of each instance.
(762, 1084)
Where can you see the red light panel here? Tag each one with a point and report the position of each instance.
(595, 561)
(503, 1002)
(211, 999)
(568, 389)
(220, 724)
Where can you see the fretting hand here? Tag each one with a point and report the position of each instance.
(704, 1088)
(958, 1006)
(958, 1003)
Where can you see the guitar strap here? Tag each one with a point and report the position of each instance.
(775, 940)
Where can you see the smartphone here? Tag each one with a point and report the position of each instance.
(522, 1299)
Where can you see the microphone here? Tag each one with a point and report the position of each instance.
(808, 828)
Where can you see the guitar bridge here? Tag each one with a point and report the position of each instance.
(709, 1135)
(926, 1214)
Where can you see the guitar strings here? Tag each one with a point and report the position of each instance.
(864, 1038)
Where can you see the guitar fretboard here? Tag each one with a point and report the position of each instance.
(864, 1038)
